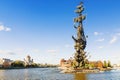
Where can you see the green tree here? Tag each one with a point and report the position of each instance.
(17, 64)
(109, 64)
(74, 64)
(105, 64)
(87, 66)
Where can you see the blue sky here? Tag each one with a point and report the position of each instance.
(43, 29)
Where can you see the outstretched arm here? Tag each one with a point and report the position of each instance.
(75, 27)
(74, 39)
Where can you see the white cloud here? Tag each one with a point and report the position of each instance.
(2, 51)
(52, 51)
(101, 40)
(7, 52)
(113, 40)
(100, 47)
(8, 29)
(19, 49)
(36, 51)
(97, 33)
(4, 28)
(118, 34)
(11, 53)
(68, 46)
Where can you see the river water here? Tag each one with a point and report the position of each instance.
(54, 74)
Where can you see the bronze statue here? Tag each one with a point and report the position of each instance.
(80, 41)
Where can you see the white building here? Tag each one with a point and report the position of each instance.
(28, 60)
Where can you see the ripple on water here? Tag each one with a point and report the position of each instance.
(54, 74)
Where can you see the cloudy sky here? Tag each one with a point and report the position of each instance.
(43, 29)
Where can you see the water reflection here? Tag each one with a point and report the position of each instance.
(26, 74)
(80, 76)
(2, 75)
(54, 74)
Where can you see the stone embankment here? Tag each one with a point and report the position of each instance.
(71, 70)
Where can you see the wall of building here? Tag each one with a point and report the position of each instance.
(4, 62)
(65, 63)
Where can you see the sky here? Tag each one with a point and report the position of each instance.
(43, 29)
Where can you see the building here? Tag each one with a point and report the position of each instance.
(116, 66)
(96, 64)
(28, 60)
(92, 64)
(5, 63)
(66, 63)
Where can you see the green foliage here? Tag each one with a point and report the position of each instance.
(87, 66)
(74, 64)
(17, 64)
(105, 64)
(109, 64)
(91, 66)
(33, 65)
(47, 65)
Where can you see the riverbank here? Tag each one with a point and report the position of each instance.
(80, 71)
(72, 70)
(23, 68)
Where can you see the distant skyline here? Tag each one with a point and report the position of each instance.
(43, 29)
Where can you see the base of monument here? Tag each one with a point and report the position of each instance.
(80, 71)
(86, 71)
(71, 70)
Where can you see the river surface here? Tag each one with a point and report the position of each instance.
(54, 74)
